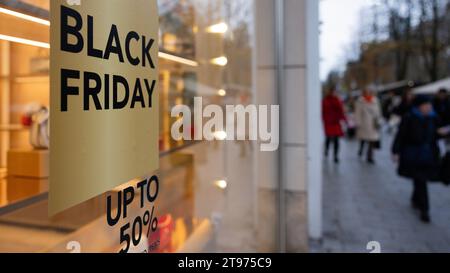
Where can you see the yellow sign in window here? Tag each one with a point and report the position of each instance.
(104, 103)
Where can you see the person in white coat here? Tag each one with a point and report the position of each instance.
(368, 121)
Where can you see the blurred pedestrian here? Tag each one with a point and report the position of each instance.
(333, 115)
(368, 124)
(417, 152)
(349, 108)
(388, 106)
(441, 105)
(405, 105)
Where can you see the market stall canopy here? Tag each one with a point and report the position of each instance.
(397, 87)
(434, 87)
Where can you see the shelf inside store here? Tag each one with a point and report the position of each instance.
(32, 78)
(12, 127)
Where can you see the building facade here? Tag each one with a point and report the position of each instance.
(215, 196)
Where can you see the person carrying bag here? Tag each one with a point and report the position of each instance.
(416, 150)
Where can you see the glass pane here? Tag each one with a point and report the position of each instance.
(206, 195)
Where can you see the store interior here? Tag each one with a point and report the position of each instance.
(196, 58)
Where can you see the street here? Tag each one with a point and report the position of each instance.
(364, 203)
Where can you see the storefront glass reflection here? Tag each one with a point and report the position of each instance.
(206, 50)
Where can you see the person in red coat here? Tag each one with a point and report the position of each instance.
(333, 115)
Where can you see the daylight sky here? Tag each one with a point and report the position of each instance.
(339, 26)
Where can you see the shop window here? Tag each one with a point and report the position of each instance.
(205, 50)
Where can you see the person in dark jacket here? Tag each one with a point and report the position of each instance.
(417, 152)
(405, 105)
(441, 105)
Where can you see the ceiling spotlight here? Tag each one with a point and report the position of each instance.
(218, 28)
(222, 93)
(220, 61)
(220, 135)
(221, 184)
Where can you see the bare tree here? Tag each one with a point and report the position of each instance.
(429, 26)
(400, 25)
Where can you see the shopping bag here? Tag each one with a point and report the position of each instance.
(445, 169)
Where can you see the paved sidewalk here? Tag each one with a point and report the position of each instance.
(364, 203)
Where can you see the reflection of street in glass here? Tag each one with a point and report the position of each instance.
(231, 124)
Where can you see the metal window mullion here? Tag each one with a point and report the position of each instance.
(280, 85)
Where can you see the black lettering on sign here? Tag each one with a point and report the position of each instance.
(67, 90)
(131, 36)
(71, 31)
(146, 51)
(123, 95)
(92, 91)
(93, 87)
(93, 52)
(113, 45)
(117, 103)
